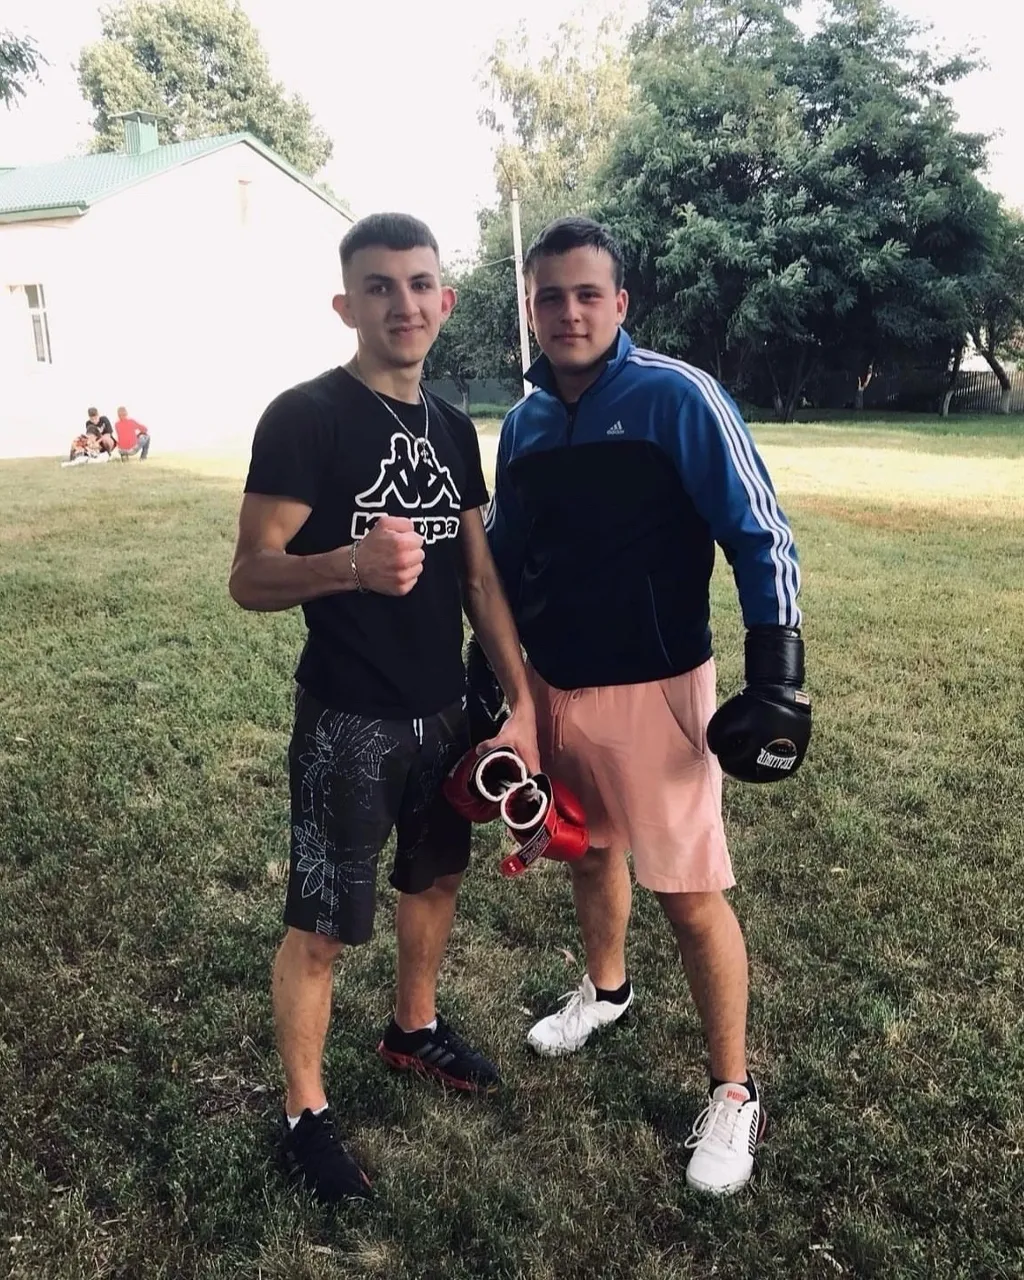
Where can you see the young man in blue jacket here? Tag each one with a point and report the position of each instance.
(615, 479)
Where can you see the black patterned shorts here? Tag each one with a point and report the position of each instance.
(354, 779)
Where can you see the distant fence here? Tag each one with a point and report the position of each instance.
(906, 390)
(978, 391)
(919, 391)
(491, 392)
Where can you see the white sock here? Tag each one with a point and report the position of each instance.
(431, 1026)
(294, 1120)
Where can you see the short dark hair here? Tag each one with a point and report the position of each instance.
(89, 412)
(387, 231)
(575, 233)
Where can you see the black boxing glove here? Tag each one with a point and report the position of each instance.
(761, 734)
(485, 698)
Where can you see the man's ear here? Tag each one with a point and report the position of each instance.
(622, 305)
(340, 303)
(529, 315)
(448, 300)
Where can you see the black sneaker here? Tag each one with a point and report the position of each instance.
(312, 1153)
(442, 1054)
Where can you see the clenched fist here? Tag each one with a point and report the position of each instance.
(390, 558)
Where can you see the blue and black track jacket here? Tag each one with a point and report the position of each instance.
(606, 513)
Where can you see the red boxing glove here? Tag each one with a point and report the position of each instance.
(476, 785)
(547, 821)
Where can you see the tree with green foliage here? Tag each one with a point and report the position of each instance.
(200, 67)
(553, 115)
(480, 339)
(19, 61)
(791, 203)
(693, 188)
(995, 302)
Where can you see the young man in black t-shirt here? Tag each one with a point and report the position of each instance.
(98, 424)
(97, 440)
(362, 504)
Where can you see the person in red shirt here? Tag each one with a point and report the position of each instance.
(132, 436)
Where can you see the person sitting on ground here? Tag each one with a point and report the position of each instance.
(80, 448)
(95, 442)
(98, 426)
(132, 436)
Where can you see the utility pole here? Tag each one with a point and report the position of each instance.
(524, 328)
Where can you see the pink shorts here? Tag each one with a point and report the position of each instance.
(636, 755)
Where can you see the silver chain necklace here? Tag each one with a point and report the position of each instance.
(380, 399)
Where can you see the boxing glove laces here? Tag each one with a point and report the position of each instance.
(546, 820)
(477, 784)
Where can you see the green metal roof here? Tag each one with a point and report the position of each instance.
(67, 188)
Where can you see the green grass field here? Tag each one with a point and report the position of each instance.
(143, 828)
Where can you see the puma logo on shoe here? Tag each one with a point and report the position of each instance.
(723, 1140)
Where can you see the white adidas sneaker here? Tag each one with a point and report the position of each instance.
(569, 1028)
(723, 1140)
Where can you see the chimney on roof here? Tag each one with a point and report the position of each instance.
(140, 133)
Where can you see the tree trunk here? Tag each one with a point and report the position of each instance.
(743, 359)
(778, 403)
(797, 382)
(954, 373)
(719, 376)
(862, 386)
(1002, 375)
(785, 401)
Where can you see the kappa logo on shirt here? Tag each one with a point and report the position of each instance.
(412, 474)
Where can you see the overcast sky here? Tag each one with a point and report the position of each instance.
(395, 85)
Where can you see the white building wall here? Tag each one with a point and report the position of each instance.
(192, 298)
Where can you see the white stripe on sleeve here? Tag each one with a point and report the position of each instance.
(762, 500)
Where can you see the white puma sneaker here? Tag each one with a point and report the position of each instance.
(581, 1013)
(723, 1140)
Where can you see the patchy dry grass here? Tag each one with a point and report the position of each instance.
(143, 825)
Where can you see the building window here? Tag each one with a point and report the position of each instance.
(243, 201)
(36, 300)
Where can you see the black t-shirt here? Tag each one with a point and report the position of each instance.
(331, 444)
(101, 427)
